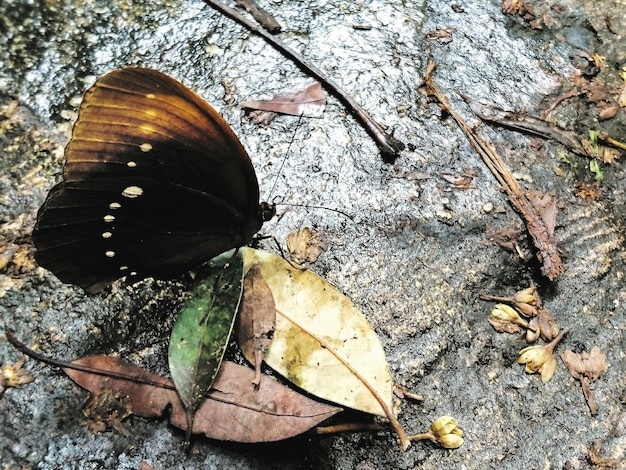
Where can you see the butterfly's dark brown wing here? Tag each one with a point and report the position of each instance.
(155, 182)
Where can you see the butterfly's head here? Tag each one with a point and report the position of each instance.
(267, 211)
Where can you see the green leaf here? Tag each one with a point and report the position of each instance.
(202, 332)
(594, 167)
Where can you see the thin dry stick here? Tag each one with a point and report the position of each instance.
(388, 145)
(542, 236)
(165, 383)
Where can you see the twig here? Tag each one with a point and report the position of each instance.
(542, 236)
(264, 18)
(388, 145)
(165, 383)
(348, 427)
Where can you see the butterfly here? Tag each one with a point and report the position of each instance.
(155, 183)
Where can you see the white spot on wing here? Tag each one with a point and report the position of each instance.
(132, 192)
(131, 164)
(123, 268)
(109, 218)
(115, 205)
(150, 96)
(107, 235)
(145, 147)
(109, 254)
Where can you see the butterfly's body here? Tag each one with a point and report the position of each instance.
(155, 182)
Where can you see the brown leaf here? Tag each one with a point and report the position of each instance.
(149, 393)
(506, 237)
(256, 320)
(238, 412)
(233, 411)
(304, 247)
(309, 102)
(607, 112)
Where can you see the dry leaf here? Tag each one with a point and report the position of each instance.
(608, 155)
(587, 367)
(322, 342)
(304, 247)
(233, 411)
(593, 191)
(238, 412)
(256, 319)
(309, 102)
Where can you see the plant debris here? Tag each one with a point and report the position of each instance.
(527, 303)
(308, 102)
(106, 409)
(232, 411)
(262, 16)
(304, 247)
(256, 320)
(14, 375)
(541, 233)
(586, 367)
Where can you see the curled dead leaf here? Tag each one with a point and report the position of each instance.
(308, 102)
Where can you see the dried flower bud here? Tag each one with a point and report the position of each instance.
(541, 358)
(526, 296)
(451, 441)
(547, 325)
(525, 309)
(442, 426)
(532, 333)
(506, 319)
(505, 313)
(444, 431)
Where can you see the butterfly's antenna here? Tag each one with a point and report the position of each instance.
(280, 170)
(309, 206)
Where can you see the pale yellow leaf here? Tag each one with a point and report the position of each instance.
(322, 342)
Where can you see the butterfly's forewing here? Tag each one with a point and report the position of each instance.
(155, 182)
